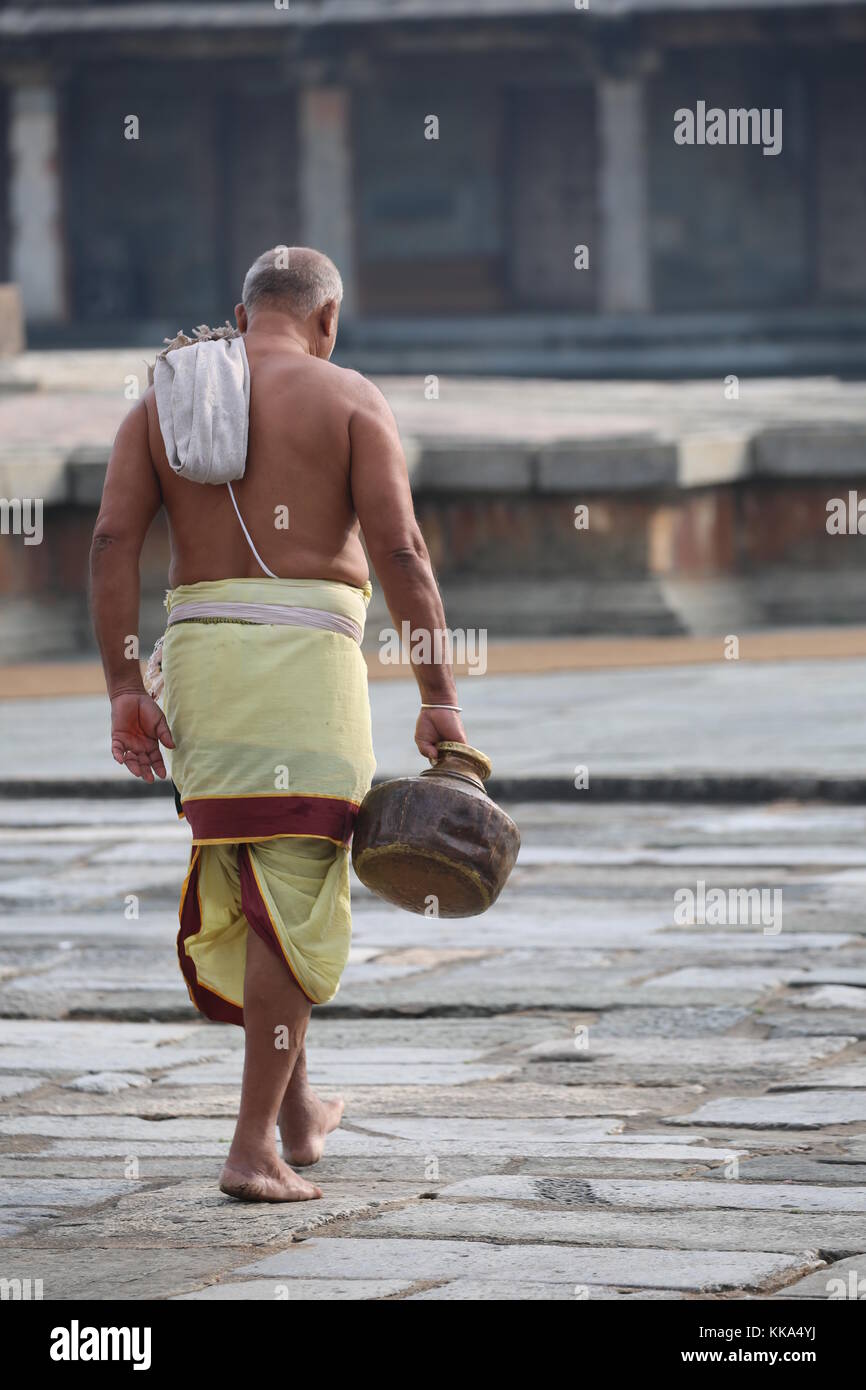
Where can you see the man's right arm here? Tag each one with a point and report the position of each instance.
(383, 502)
(131, 499)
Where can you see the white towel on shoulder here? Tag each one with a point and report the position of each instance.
(203, 401)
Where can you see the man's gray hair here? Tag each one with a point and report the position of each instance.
(296, 279)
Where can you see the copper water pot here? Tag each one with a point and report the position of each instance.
(436, 843)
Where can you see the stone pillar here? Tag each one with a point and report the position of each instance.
(327, 216)
(624, 253)
(35, 202)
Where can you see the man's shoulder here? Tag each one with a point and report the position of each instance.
(354, 383)
(353, 392)
(362, 394)
(317, 373)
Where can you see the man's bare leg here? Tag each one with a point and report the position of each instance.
(306, 1120)
(273, 1002)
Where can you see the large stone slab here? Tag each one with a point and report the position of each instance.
(639, 1162)
(831, 997)
(796, 1169)
(60, 1192)
(837, 1233)
(57, 1055)
(96, 1037)
(11, 1085)
(801, 451)
(598, 925)
(123, 1149)
(24, 1222)
(554, 1101)
(157, 928)
(768, 1141)
(714, 984)
(196, 1213)
(642, 1149)
(356, 1170)
(834, 972)
(786, 1110)
(150, 1170)
(292, 1290)
(802, 1023)
(145, 1099)
(363, 1103)
(370, 1066)
(497, 1136)
(18, 853)
(489, 1290)
(634, 1267)
(92, 969)
(345, 1035)
(368, 1153)
(494, 1101)
(71, 888)
(686, 1021)
(516, 980)
(844, 1281)
(394, 1135)
(109, 1273)
(615, 465)
(106, 1083)
(678, 1060)
(661, 1195)
(844, 1076)
(120, 1136)
(739, 1052)
(476, 466)
(123, 1126)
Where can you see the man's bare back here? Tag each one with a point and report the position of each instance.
(324, 445)
(298, 471)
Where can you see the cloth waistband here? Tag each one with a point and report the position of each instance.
(328, 596)
(278, 615)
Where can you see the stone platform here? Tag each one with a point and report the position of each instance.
(550, 507)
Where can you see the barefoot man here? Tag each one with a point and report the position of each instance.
(269, 462)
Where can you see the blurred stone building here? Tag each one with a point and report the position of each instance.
(269, 121)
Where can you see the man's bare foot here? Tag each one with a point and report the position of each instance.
(266, 1180)
(305, 1122)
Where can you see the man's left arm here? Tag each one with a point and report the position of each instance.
(131, 499)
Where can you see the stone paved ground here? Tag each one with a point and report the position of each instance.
(572, 1095)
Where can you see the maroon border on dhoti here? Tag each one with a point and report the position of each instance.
(232, 819)
(256, 912)
(253, 905)
(212, 1005)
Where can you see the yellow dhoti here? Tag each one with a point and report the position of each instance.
(266, 697)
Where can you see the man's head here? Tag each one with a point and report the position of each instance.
(300, 283)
